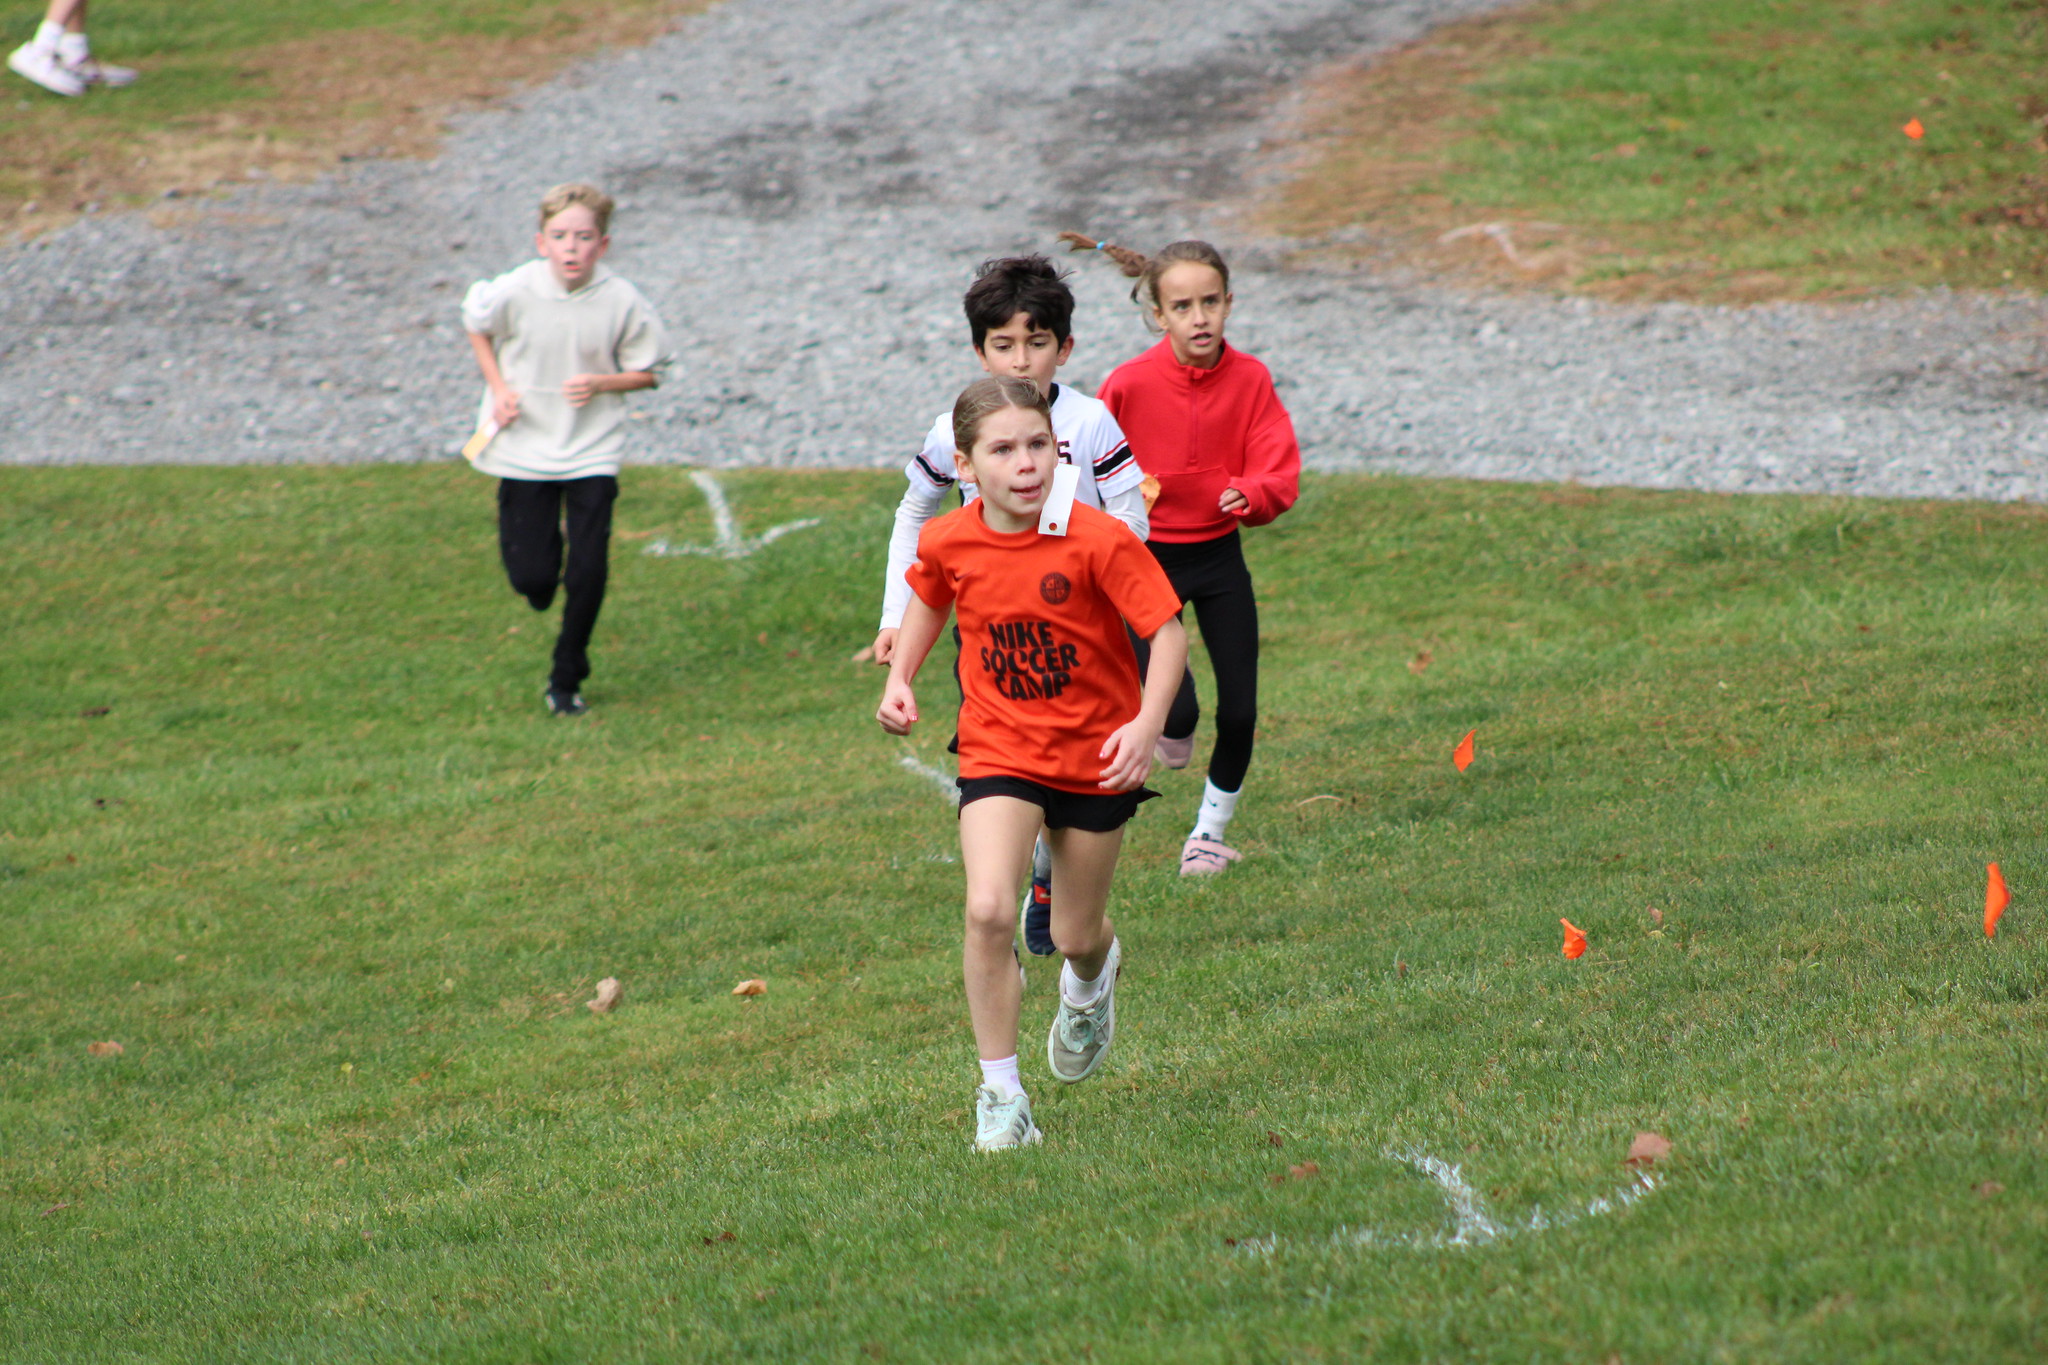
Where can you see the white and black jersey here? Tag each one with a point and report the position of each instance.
(1088, 437)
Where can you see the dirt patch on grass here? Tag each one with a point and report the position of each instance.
(1737, 166)
(1374, 139)
(300, 108)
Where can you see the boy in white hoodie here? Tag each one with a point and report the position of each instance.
(559, 341)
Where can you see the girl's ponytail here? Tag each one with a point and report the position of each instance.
(1132, 263)
(1146, 270)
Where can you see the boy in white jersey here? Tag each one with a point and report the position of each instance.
(1020, 319)
(559, 341)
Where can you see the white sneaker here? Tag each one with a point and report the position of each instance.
(999, 1124)
(93, 71)
(1081, 1036)
(41, 66)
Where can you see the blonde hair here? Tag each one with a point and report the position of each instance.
(1146, 270)
(570, 195)
(986, 397)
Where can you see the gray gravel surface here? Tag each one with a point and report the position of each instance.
(806, 187)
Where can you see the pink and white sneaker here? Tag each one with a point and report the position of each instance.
(40, 65)
(1202, 856)
(93, 71)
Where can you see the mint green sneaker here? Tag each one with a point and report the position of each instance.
(1080, 1038)
(999, 1124)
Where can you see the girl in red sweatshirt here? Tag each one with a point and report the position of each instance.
(1202, 418)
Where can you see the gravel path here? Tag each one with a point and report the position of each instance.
(806, 187)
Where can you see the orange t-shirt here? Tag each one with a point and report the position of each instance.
(1045, 665)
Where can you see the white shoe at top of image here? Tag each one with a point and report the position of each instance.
(41, 66)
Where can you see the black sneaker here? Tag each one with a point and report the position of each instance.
(562, 703)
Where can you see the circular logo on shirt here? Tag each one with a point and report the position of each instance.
(1055, 588)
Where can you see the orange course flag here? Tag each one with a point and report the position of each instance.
(1574, 940)
(1996, 898)
(1913, 129)
(1462, 755)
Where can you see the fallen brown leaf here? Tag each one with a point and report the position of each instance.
(1648, 1149)
(1304, 1170)
(1400, 968)
(1656, 915)
(94, 712)
(1275, 1139)
(608, 992)
(110, 1048)
(56, 1208)
(1421, 661)
(754, 987)
(1984, 1191)
(725, 1236)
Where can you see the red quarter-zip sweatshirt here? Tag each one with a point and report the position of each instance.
(1202, 431)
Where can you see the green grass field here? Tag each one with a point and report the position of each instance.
(1738, 149)
(338, 887)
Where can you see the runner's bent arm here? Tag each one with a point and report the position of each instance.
(1129, 749)
(920, 504)
(504, 399)
(920, 630)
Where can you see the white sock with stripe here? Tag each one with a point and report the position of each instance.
(1001, 1077)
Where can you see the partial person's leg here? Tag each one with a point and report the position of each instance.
(996, 834)
(1229, 621)
(1084, 863)
(589, 504)
(530, 537)
(1226, 611)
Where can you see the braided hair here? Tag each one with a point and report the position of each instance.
(1146, 270)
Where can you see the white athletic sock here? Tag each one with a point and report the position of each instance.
(1217, 807)
(1002, 1077)
(48, 35)
(1078, 993)
(73, 49)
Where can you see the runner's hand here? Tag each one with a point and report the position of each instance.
(898, 711)
(1129, 751)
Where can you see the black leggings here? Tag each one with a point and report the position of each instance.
(530, 517)
(1211, 575)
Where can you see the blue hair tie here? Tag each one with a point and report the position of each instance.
(1102, 246)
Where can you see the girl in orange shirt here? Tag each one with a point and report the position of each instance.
(1055, 729)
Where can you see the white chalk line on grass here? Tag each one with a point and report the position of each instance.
(938, 777)
(728, 543)
(1472, 1223)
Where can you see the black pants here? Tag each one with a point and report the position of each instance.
(531, 513)
(1211, 576)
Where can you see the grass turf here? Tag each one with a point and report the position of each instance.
(1740, 149)
(338, 886)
